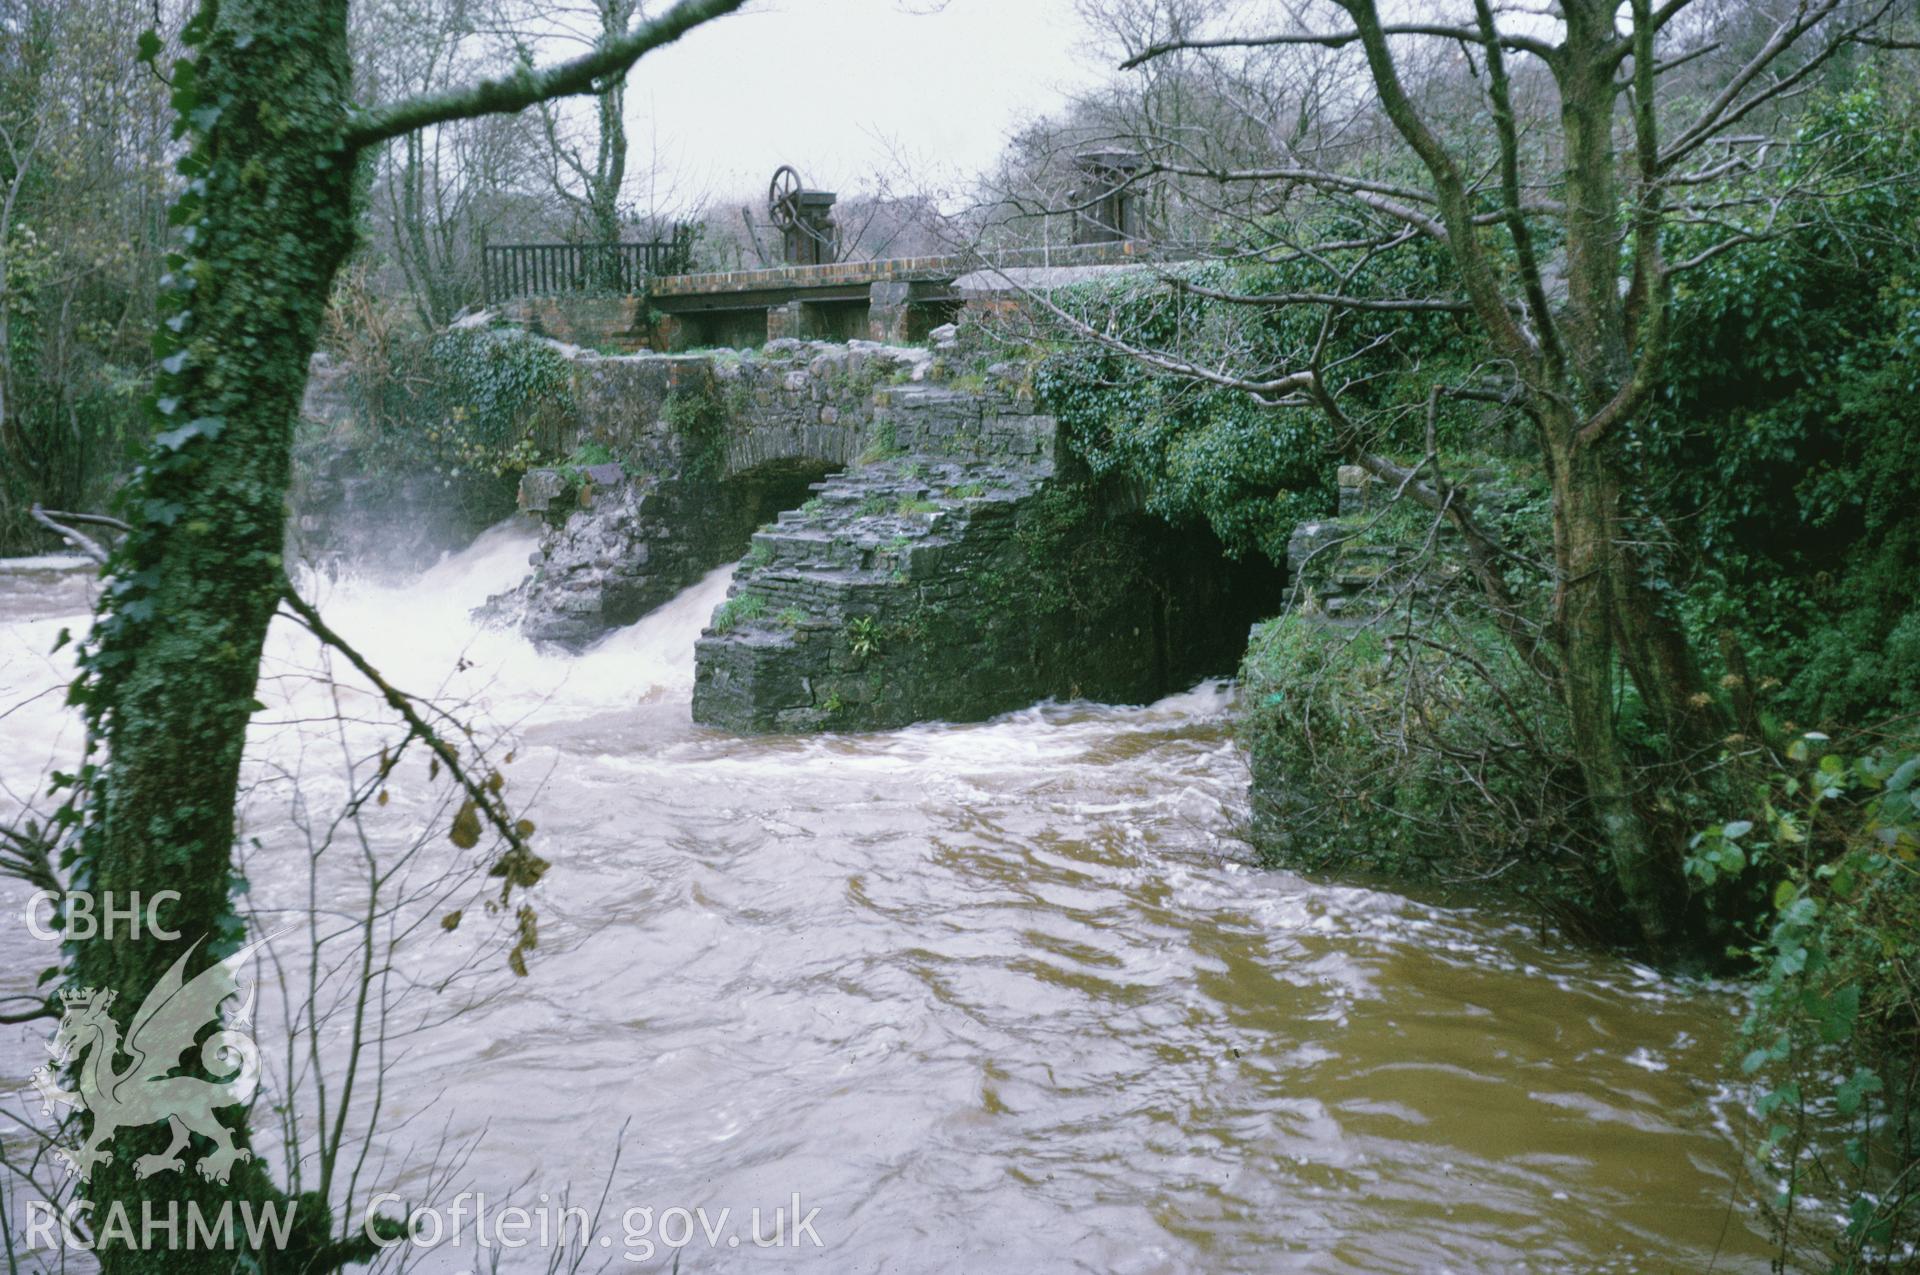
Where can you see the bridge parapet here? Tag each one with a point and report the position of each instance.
(893, 300)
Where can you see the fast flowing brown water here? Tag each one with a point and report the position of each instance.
(1000, 997)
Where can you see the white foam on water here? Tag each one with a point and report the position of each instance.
(422, 636)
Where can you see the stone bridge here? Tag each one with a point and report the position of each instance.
(895, 300)
(911, 545)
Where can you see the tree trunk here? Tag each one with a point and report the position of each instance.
(610, 168)
(1660, 659)
(169, 671)
(174, 660)
(1585, 518)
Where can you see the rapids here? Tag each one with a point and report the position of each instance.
(1003, 997)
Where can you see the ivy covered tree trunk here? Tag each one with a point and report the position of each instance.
(169, 673)
(1585, 625)
(173, 662)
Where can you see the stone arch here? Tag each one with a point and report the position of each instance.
(771, 447)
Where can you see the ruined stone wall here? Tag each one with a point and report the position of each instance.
(705, 448)
(963, 577)
(924, 549)
(791, 400)
(592, 322)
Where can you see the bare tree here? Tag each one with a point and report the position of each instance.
(439, 193)
(1547, 158)
(586, 167)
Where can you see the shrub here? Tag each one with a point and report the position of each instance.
(469, 401)
(698, 416)
(1829, 847)
(1421, 750)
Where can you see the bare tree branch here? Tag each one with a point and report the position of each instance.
(526, 86)
(1340, 39)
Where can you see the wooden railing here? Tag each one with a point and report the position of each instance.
(516, 270)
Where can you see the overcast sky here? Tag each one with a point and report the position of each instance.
(838, 88)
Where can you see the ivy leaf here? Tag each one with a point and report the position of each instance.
(149, 46)
(203, 427)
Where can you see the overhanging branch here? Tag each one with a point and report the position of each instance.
(1339, 39)
(527, 86)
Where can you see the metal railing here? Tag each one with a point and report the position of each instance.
(509, 271)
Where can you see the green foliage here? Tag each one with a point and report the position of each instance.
(469, 401)
(1251, 473)
(573, 470)
(1787, 437)
(1200, 452)
(1428, 755)
(885, 444)
(1826, 860)
(863, 637)
(914, 505)
(790, 617)
(738, 610)
(1071, 561)
(82, 248)
(697, 413)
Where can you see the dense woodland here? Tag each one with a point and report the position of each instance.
(1622, 304)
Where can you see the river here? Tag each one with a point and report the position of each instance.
(1003, 997)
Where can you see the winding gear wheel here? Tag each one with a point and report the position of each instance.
(804, 218)
(783, 198)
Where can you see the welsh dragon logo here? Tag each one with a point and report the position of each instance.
(144, 1091)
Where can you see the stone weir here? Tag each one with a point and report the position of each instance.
(924, 549)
